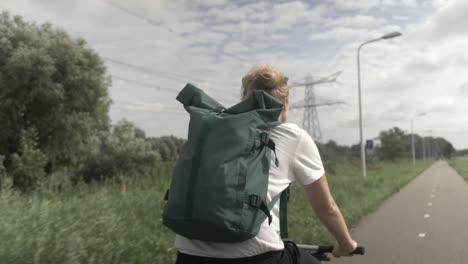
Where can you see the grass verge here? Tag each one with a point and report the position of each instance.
(461, 166)
(355, 197)
(121, 223)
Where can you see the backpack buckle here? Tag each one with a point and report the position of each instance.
(264, 137)
(255, 200)
(220, 110)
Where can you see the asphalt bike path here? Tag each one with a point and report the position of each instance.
(425, 222)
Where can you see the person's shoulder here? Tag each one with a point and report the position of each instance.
(289, 129)
(294, 132)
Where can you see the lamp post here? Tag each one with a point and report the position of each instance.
(363, 153)
(424, 145)
(412, 139)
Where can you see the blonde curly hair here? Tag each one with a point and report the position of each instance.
(266, 78)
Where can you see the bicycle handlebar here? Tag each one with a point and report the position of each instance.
(328, 249)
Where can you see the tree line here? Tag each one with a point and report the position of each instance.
(393, 144)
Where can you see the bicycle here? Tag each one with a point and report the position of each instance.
(320, 251)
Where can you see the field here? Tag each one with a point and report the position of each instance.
(461, 166)
(121, 222)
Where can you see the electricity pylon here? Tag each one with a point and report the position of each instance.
(311, 121)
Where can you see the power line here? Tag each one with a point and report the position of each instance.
(148, 20)
(175, 76)
(328, 79)
(145, 70)
(157, 87)
(142, 69)
(145, 107)
(171, 111)
(143, 84)
(162, 74)
(157, 23)
(303, 105)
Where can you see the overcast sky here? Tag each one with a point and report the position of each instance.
(152, 48)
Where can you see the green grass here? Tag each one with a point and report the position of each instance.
(355, 197)
(121, 223)
(461, 166)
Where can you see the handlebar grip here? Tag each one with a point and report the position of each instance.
(326, 249)
(359, 251)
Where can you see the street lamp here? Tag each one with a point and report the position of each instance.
(363, 153)
(412, 138)
(424, 145)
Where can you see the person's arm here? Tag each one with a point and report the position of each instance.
(327, 211)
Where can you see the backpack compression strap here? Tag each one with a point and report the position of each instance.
(264, 139)
(257, 202)
(283, 197)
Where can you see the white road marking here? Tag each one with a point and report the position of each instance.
(429, 204)
(427, 215)
(422, 235)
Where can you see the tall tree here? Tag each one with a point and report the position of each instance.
(393, 144)
(53, 84)
(448, 150)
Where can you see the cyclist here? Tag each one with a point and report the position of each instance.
(296, 149)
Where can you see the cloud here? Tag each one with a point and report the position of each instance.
(340, 33)
(203, 3)
(356, 21)
(235, 47)
(208, 37)
(440, 4)
(279, 36)
(463, 90)
(347, 33)
(441, 105)
(426, 64)
(262, 17)
(256, 11)
(370, 4)
(449, 22)
(400, 78)
(289, 14)
(401, 18)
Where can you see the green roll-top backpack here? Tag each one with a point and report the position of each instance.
(220, 182)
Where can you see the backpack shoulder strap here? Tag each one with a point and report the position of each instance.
(284, 213)
(283, 198)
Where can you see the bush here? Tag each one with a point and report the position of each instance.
(167, 146)
(121, 152)
(3, 174)
(28, 165)
(57, 181)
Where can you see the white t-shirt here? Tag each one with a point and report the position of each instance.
(300, 160)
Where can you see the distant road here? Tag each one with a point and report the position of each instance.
(426, 222)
